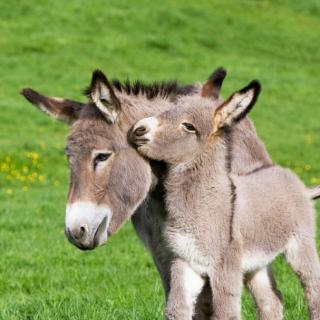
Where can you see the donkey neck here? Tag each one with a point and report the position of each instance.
(214, 158)
(204, 182)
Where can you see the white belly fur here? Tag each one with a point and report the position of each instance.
(184, 246)
(252, 261)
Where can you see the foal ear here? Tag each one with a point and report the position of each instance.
(58, 108)
(102, 94)
(212, 86)
(237, 106)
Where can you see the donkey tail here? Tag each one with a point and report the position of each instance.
(314, 192)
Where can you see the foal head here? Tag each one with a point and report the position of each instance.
(180, 134)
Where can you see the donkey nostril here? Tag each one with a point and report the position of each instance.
(140, 131)
(80, 234)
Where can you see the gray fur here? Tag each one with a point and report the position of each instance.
(226, 224)
(132, 176)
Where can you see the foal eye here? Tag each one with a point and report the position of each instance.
(188, 127)
(100, 157)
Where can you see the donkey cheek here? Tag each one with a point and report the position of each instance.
(116, 223)
(153, 151)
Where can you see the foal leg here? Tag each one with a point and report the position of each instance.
(302, 255)
(226, 284)
(262, 287)
(185, 286)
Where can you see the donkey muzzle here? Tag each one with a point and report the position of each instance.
(141, 133)
(86, 224)
(137, 136)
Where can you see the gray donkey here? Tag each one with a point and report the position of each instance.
(110, 182)
(222, 225)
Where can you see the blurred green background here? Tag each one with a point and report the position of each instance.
(53, 46)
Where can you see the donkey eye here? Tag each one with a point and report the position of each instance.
(104, 100)
(188, 127)
(100, 157)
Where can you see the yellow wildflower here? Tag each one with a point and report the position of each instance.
(308, 167)
(298, 169)
(4, 167)
(14, 173)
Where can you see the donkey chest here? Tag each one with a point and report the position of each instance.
(185, 246)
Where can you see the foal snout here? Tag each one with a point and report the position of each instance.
(142, 131)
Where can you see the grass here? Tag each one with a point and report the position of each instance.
(53, 47)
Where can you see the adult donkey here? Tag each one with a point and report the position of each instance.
(110, 182)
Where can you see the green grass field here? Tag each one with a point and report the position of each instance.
(53, 46)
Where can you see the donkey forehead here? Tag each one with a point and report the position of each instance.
(89, 134)
(195, 109)
(198, 102)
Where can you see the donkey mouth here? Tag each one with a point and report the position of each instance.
(87, 224)
(139, 142)
(99, 237)
(101, 233)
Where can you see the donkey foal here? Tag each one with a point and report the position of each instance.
(222, 226)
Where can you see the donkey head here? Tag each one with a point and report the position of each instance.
(180, 134)
(108, 179)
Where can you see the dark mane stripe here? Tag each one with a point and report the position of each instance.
(162, 89)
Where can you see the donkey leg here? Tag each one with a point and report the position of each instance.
(164, 272)
(302, 256)
(226, 288)
(185, 286)
(226, 284)
(262, 287)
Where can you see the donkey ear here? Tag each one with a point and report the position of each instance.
(102, 94)
(212, 86)
(237, 106)
(58, 108)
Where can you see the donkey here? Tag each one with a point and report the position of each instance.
(110, 182)
(221, 225)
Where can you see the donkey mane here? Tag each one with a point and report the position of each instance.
(163, 89)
